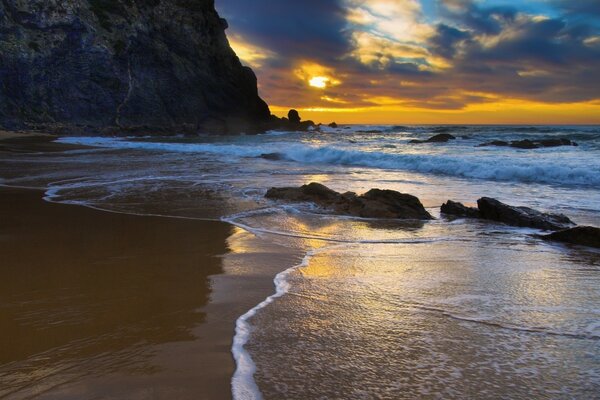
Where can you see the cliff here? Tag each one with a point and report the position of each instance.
(103, 66)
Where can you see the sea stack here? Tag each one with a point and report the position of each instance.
(160, 66)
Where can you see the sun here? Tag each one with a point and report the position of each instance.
(319, 82)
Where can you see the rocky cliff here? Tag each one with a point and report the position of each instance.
(122, 65)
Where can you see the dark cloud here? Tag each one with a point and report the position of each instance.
(300, 29)
(583, 8)
(496, 51)
(445, 40)
(488, 20)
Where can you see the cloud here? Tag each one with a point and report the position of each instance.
(305, 29)
(375, 53)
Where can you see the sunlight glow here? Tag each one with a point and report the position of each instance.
(319, 82)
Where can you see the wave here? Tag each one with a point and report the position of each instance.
(243, 385)
(486, 166)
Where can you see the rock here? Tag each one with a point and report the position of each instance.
(272, 156)
(529, 144)
(500, 143)
(459, 210)
(495, 210)
(580, 235)
(440, 138)
(556, 142)
(524, 144)
(333, 125)
(313, 192)
(120, 65)
(375, 203)
(294, 117)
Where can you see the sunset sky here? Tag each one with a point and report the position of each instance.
(428, 61)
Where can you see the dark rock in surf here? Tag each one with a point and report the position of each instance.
(459, 210)
(527, 144)
(294, 117)
(556, 142)
(333, 125)
(272, 156)
(492, 209)
(499, 143)
(524, 144)
(580, 235)
(376, 203)
(441, 138)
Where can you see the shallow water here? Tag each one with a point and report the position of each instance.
(379, 309)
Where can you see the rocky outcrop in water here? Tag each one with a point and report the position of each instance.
(459, 210)
(527, 144)
(376, 203)
(440, 138)
(123, 65)
(580, 235)
(494, 210)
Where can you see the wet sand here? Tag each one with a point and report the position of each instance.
(103, 305)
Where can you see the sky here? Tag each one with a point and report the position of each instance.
(423, 61)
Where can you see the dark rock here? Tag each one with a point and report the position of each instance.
(333, 125)
(532, 144)
(123, 66)
(313, 192)
(524, 144)
(556, 142)
(440, 138)
(500, 143)
(294, 117)
(272, 156)
(375, 203)
(580, 235)
(495, 210)
(459, 210)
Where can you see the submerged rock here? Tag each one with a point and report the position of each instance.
(459, 210)
(120, 65)
(376, 203)
(272, 156)
(440, 138)
(530, 144)
(580, 235)
(499, 143)
(495, 210)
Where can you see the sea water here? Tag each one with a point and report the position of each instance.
(378, 309)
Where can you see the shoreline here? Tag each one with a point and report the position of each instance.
(243, 281)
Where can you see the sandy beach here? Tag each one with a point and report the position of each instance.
(105, 305)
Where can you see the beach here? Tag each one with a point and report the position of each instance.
(98, 304)
(155, 268)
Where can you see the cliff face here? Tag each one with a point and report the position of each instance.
(122, 65)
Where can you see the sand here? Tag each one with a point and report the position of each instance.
(102, 305)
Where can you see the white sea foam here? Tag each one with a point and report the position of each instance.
(242, 384)
(491, 165)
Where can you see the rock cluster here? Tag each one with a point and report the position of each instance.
(494, 210)
(160, 66)
(580, 235)
(376, 203)
(439, 138)
(530, 144)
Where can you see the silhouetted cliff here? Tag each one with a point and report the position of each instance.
(123, 65)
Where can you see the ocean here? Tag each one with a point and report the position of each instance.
(378, 309)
